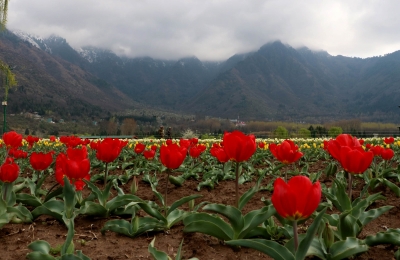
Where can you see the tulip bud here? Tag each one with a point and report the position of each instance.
(191, 205)
(328, 236)
(134, 185)
(135, 224)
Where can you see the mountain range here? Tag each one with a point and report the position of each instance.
(276, 82)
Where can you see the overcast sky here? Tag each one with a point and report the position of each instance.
(213, 29)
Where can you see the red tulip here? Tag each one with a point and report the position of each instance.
(286, 152)
(341, 140)
(139, 148)
(173, 155)
(377, 150)
(59, 173)
(196, 150)
(184, 143)
(149, 154)
(388, 140)
(297, 199)
(261, 145)
(12, 139)
(9, 170)
(71, 141)
(355, 161)
(220, 154)
(238, 146)
(17, 154)
(108, 150)
(76, 165)
(41, 161)
(32, 140)
(387, 154)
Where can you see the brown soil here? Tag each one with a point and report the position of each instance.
(15, 238)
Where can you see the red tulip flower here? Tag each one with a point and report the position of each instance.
(387, 154)
(17, 154)
(108, 150)
(32, 140)
(40, 161)
(219, 153)
(185, 143)
(76, 165)
(9, 171)
(341, 140)
(238, 146)
(173, 155)
(149, 154)
(354, 160)
(139, 148)
(59, 173)
(388, 140)
(377, 150)
(12, 139)
(261, 145)
(297, 199)
(71, 141)
(196, 150)
(286, 152)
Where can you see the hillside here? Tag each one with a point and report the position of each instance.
(276, 82)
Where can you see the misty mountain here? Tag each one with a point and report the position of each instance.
(276, 82)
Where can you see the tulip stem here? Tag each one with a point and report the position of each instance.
(237, 185)
(349, 190)
(105, 176)
(166, 194)
(295, 235)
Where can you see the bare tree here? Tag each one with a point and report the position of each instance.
(128, 126)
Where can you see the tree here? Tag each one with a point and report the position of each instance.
(281, 132)
(335, 131)
(304, 133)
(128, 126)
(3, 14)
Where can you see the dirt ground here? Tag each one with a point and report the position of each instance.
(15, 238)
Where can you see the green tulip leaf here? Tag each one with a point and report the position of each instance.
(39, 256)
(208, 224)
(120, 201)
(372, 214)
(53, 194)
(346, 248)
(40, 246)
(182, 201)
(348, 226)
(392, 186)
(93, 209)
(152, 211)
(234, 215)
(52, 208)
(391, 236)
(27, 199)
(175, 216)
(176, 180)
(270, 248)
(22, 213)
(156, 254)
(255, 218)
(310, 234)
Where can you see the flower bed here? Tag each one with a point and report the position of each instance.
(98, 226)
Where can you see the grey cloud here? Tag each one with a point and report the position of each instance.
(211, 29)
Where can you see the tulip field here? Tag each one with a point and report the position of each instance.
(238, 197)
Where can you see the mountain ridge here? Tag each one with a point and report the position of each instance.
(275, 82)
